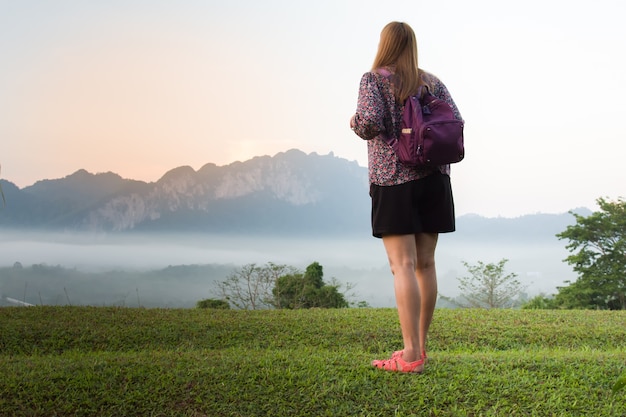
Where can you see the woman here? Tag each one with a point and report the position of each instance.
(410, 206)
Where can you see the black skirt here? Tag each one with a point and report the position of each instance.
(421, 206)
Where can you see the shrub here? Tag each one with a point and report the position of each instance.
(213, 303)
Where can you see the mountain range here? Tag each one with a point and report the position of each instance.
(290, 193)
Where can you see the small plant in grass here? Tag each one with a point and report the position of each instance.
(213, 303)
(619, 384)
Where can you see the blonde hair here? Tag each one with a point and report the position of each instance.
(398, 49)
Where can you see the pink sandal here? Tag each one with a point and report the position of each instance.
(399, 353)
(397, 364)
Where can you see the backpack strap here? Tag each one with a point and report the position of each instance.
(426, 98)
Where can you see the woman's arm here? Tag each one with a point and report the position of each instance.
(368, 121)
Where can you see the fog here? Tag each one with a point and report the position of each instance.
(360, 261)
(105, 251)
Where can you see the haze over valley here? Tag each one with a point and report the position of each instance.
(293, 208)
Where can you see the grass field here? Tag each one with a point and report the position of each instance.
(100, 361)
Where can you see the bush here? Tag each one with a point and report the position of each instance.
(212, 303)
(308, 290)
(540, 302)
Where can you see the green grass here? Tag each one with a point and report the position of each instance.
(89, 361)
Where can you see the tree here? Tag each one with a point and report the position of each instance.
(250, 287)
(297, 290)
(488, 287)
(597, 244)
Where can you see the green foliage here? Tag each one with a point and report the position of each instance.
(540, 302)
(361, 304)
(86, 361)
(212, 303)
(291, 291)
(488, 286)
(597, 244)
(328, 296)
(314, 275)
(308, 290)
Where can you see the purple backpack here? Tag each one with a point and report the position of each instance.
(430, 135)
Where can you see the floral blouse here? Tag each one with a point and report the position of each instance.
(377, 114)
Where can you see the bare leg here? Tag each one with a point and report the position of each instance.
(403, 260)
(426, 274)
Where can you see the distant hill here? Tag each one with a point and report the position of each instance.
(291, 193)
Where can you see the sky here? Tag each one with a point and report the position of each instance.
(139, 87)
